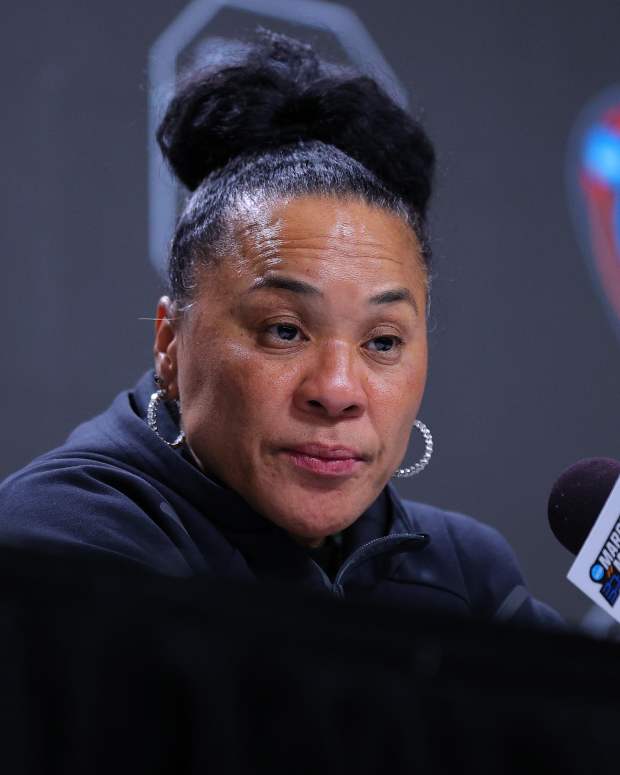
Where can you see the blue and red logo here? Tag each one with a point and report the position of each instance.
(594, 178)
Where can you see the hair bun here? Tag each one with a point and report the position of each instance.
(281, 93)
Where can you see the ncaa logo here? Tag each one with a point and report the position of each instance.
(594, 189)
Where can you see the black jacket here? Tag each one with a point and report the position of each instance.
(115, 489)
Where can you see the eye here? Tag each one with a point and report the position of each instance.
(283, 332)
(384, 344)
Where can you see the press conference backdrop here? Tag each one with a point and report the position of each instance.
(525, 346)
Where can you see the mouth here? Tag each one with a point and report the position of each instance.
(325, 460)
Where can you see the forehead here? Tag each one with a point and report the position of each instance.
(326, 237)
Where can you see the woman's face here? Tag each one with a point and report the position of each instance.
(301, 365)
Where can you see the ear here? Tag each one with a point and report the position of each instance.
(165, 347)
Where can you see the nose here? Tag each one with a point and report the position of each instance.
(333, 384)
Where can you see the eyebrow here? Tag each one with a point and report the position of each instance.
(283, 283)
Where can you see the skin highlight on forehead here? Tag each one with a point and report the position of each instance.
(324, 228)
(308, 237)
(254, 229)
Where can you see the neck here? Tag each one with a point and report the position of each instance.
(309, 543)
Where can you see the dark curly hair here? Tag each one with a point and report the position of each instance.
(279, 121)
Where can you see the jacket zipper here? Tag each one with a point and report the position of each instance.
(368, 551)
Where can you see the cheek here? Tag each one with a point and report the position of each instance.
(229, 391)
(394, 401)
(401, 387)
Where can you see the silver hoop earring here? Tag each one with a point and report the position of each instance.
(151, 418)
(403, 473)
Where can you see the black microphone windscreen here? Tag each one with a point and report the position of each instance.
(578, 497)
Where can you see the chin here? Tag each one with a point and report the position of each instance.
(311, 517)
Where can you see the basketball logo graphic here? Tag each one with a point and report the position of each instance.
(594, 185)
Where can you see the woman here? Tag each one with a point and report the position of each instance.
(290, 361)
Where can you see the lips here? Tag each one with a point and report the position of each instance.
(327, 452)
(326, 460)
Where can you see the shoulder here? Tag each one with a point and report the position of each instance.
(79, 500)
(474, 541)
(490, 572)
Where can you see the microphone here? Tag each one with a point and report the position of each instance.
(578, 497)
(584, 515)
